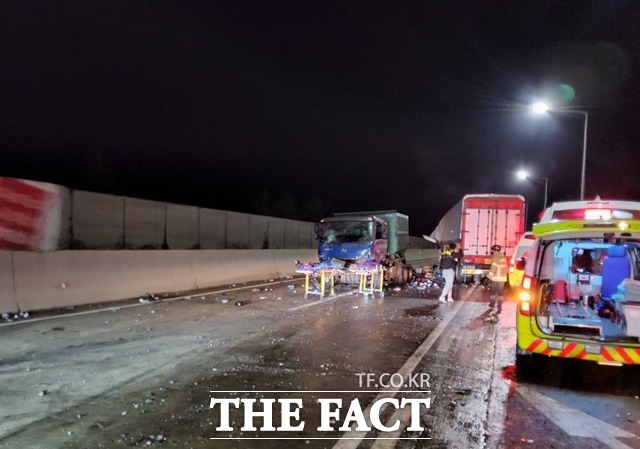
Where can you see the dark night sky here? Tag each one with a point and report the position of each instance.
(302, 108)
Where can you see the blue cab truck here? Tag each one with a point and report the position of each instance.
(380, 236)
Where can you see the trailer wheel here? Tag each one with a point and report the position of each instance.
(460, 279)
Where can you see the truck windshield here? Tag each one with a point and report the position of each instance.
(345, 231)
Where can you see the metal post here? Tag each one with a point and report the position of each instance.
(546, 189)
(584, 154)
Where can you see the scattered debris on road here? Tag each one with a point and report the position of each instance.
(149, 297)
(464, 391)
(10, 317)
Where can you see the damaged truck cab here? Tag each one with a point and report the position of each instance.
(580, 294)
(379, 237)
(352, 238)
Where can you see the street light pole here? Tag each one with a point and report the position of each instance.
(584, 154)
(524, 174)
(541, 108)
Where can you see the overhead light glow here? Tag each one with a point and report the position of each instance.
(540, 107)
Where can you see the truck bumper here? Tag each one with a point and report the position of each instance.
(473, 270)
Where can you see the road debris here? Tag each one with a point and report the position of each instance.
(148, 297)
(10, 317)
(464, 391)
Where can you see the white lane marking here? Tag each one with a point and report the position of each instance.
(352, 438)
(574, 422)
(322, 301)
(446, 341)
(403, 415)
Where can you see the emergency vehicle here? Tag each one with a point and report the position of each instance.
(520, 253)
(580, 294)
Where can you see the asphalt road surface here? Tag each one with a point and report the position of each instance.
(146, 374)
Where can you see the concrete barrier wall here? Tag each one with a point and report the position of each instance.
(213, 229)
(307, 236)
(7, 294)
(276, 233)
(97, 220)
(144, 223)
(285, 259)
(33, 281)
(258, 232)
(64, 236)
(87, 220)
(182, 226)
(291, 234)
(237, 230)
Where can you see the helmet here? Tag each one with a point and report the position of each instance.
(496, 248)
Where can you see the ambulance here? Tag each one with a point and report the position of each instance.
(520, 253)
(580, 293)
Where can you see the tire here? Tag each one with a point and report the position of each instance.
(460, 279)
(527, 367)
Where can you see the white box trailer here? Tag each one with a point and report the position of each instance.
(476, 223)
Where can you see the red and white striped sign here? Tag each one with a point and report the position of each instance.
(29, 215)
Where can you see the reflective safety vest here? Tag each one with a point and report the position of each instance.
(499, 269)
(446, 260)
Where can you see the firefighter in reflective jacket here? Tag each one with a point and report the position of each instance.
(498, 277)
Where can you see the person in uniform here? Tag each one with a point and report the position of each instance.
(498, 277)
(448, 268)
(457, 256)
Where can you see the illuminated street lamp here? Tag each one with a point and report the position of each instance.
(523, 174)
(541, 107)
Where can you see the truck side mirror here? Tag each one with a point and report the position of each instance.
(521, 263)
